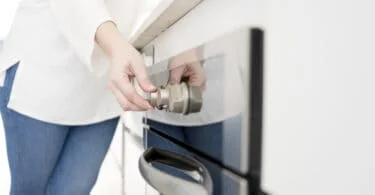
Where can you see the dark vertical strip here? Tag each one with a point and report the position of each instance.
(256, 108)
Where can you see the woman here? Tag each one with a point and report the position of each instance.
(60, 63)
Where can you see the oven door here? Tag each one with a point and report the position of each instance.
(225, 133)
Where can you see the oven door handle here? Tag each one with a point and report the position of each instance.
(168, 184)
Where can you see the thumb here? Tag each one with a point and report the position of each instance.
(146, 84)
(142, 76)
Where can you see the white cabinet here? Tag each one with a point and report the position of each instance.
(209, 20)
(151, 191)
(133, 181)
(319, 97)
(134, 184)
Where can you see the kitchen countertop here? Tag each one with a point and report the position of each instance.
(148, 17)
(154, 22)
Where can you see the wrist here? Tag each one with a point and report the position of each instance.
(120, 48)
(110, 39)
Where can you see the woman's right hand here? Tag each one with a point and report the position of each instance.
(126, 64)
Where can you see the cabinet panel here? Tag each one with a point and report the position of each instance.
(224, 181)
(134, 184)
(207, 22)
(151, 191)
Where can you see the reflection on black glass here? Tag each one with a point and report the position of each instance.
(187, 67)
(183, 90)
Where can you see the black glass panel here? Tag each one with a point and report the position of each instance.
(217, 130)
(224, 182)
(207, 139)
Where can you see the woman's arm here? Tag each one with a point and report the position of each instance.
(126, 62)
(78, 20)
(82, 22)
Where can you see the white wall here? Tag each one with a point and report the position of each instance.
(319, 127)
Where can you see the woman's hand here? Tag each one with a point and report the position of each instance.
(126, 63)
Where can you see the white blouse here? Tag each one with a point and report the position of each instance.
(61, 75)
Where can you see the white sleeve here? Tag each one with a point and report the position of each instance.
(78, 20)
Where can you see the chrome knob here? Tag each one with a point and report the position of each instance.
(178, 98)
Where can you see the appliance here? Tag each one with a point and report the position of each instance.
(218, 149)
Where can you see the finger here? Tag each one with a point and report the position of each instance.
(128, 90)
(141, 75)
(124, 103)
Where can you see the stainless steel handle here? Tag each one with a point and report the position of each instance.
(168, 184)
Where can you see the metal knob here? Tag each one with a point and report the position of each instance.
(178, 98)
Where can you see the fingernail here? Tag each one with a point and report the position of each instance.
(149, 107)
(152, 88)
(146, 105)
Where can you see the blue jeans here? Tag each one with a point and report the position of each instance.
(52, 159)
